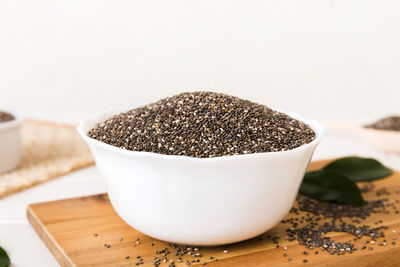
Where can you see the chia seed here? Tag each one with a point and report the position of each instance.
(5, 116)
(334, 210)
(391, 123)
(203, 125)
(314, 219)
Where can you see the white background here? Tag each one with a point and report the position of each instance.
(329, 60)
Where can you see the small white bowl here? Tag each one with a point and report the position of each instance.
(10, 143)
(201, 201)
(385, 140)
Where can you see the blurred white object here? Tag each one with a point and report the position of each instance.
(386, 140)
(201, 201)
(10, 143)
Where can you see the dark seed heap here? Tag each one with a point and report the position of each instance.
(390, 123)
(334, 210)
(4, 116)
(311, 237)
(203, 125)
(312, 221)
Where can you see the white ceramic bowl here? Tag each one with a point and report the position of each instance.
(201, 201)
(385, 140)
(10, 143)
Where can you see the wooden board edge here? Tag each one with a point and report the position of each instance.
(48, 239)
(31, 207)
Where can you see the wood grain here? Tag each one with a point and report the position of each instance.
(68, 228)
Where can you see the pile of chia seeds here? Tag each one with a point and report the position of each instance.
(390, 123)
(203, 125)
(334, 210)
(312, 220)
(4, 116)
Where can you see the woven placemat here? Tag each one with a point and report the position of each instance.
(49, 150)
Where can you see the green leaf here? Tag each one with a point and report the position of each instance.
(331, 186)
(359, 169)
(4, 259)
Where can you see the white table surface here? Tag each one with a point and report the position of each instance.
(26, 249)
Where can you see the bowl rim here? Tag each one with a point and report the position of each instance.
(316, 126)
(364, 128)
(12, 123)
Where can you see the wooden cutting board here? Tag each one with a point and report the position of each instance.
(75, 231)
